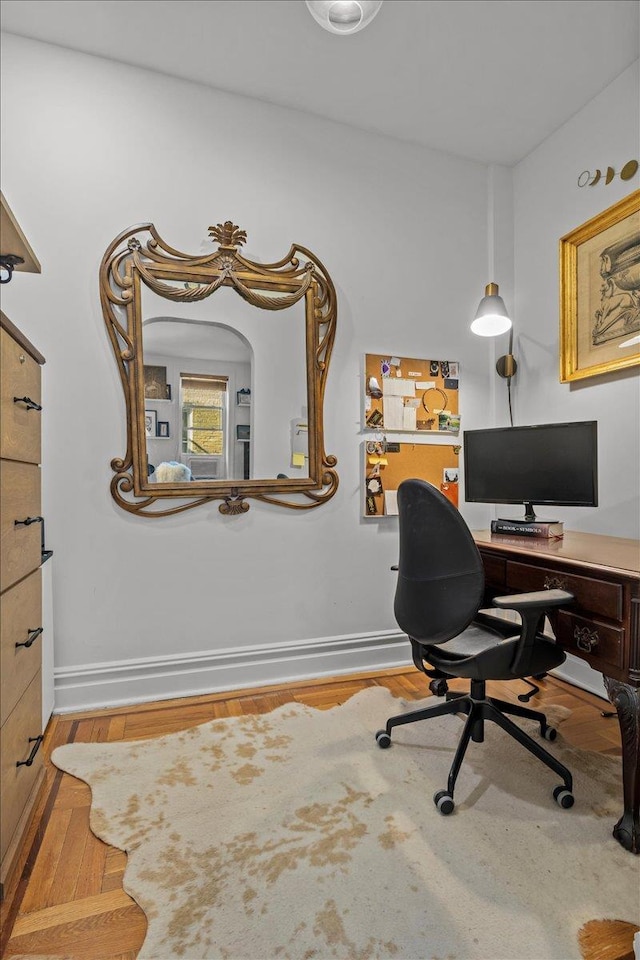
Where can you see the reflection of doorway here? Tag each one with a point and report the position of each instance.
(201, 431)
(204, 417)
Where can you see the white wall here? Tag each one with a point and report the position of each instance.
(548, 203)
(145, 607)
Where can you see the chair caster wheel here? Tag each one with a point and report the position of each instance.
(383, 739)
(563, 797)
(549, 733)
(438, 687)
(444, 802)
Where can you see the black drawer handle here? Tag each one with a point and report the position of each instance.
(586, 639)
(36, 741)
(28, 521)
(555, 583)
(34, 633)
(28, 402)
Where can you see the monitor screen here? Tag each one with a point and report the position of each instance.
(552, 463)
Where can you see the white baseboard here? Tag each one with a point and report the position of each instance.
(580, 674)
(124, 682)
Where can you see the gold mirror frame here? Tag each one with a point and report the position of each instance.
(138, 256)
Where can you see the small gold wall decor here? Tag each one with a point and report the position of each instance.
(589, 179)
(600, 293)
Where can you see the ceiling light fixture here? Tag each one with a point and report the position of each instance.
(343, 16)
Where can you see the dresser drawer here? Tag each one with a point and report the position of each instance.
(599, 643)
(596, 596)
(20, 618)
(19, 499)
(19, 424)
(23, 723)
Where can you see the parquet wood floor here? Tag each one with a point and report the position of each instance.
(69, 902)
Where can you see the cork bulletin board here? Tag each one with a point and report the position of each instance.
(387, 464)
(410, 395)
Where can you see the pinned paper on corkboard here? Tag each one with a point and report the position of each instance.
(437, 463)
(410, 395)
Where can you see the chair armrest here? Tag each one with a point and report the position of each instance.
(532, 608)
(537, 600)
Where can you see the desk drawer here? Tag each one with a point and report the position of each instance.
(596, 596)
(598, 643)
(19, 500)
(495, 570)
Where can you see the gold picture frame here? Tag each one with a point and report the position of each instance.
(600, 293)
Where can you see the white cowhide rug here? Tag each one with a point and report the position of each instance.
(292, 835)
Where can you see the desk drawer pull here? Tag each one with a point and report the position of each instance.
(28, 521)
(36, 741)
(33, 633)
(28, 402)
(555, 583)
(586, 639)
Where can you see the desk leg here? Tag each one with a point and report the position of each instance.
(627, 702)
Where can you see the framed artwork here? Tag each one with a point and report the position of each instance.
(163, 428)
(155, 383)
(243, 431)
(243, 398)
(600, 293)
(150, 423)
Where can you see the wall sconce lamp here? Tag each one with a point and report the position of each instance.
(491, 320)
(343, 16)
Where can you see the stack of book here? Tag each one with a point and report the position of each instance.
(534, 528)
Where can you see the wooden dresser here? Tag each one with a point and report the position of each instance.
(21, 770)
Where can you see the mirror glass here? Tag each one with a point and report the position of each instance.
(225, 390)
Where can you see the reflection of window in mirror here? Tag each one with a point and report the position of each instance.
(204, 424)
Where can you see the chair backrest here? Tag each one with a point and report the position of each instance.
(440, 574)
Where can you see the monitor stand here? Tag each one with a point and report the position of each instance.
(529, 517)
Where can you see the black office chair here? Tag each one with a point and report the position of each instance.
(438, 597)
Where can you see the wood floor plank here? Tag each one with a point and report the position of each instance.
(66, 875)
(91, 938)
(607, 940)
(92, 868)
(117, 727)
(43, 873)
(73, 793)
(71, 911)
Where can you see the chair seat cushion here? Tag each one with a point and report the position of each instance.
(480, 653)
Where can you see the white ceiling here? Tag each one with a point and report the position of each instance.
(484, 79)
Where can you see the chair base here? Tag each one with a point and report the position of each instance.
(478, 708)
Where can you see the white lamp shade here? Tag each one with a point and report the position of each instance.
(343, 16)
(491, 317)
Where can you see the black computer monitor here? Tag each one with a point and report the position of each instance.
(551, 464)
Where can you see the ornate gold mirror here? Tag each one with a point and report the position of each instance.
(224, 395)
